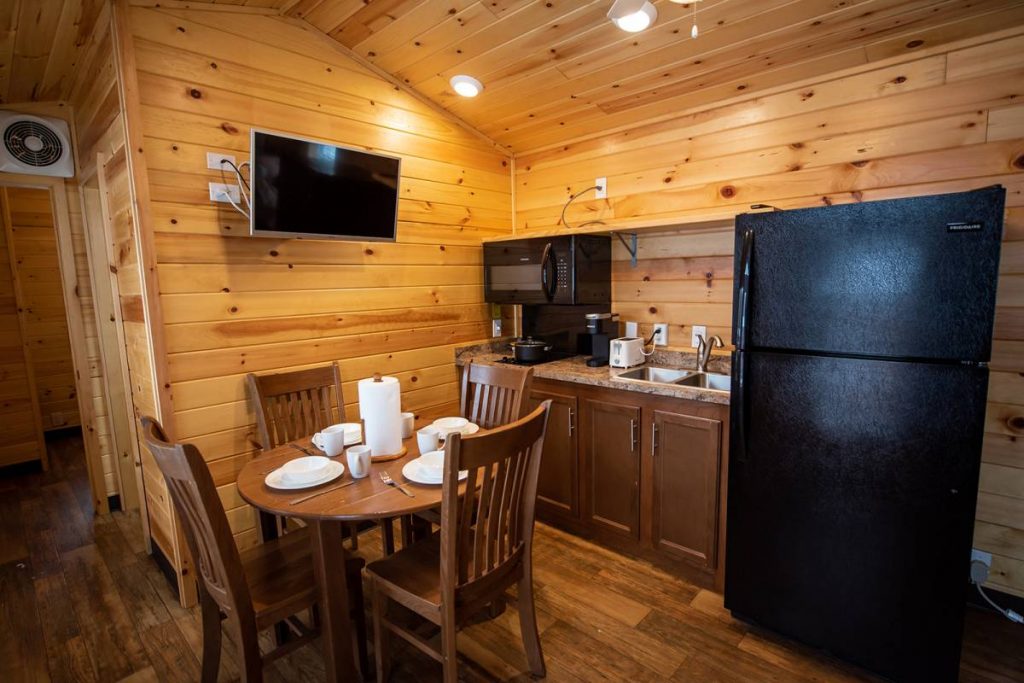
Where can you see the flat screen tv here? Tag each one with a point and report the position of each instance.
(309, 188)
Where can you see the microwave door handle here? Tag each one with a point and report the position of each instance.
(547, 282)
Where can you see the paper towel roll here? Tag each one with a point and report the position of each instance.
(380, 407)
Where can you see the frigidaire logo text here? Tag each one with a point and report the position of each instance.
(964, 227)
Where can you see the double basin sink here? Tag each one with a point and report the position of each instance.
(679, 378)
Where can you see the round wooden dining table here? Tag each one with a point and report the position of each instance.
(363, 499)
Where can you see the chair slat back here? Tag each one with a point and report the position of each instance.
(292, 405)
(491, 527)
(206, 528)
(494, 395)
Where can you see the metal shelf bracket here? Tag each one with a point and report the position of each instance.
(630, 246)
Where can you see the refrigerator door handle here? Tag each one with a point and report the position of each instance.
(739, 400)
(743, 290)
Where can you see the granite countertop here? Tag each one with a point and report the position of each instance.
(575, 369)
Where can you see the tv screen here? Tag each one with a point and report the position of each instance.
(316, 189)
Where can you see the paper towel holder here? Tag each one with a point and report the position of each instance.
(387, 457)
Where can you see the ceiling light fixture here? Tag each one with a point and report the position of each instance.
(633, 15)
(467, 86)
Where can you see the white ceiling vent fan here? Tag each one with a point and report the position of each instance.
(38, 145)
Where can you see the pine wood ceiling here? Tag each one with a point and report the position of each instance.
(554, 70)
(40, 45)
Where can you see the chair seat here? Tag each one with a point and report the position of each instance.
(414, 570)
(280, 576)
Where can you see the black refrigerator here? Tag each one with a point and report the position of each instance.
(862, 335)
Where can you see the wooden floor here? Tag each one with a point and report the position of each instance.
(80, 600)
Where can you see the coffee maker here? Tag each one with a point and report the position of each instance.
(601, 328)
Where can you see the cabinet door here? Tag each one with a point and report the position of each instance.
(558, 488)
(686, 454)
(612, 445)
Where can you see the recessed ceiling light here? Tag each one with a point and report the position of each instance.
(633, 15)
(467, 86)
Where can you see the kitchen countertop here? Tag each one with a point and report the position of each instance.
(575, 369)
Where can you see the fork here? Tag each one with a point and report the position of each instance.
(386, 478)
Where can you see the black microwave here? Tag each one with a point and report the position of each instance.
(568, 269)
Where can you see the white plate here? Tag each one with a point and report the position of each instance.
(468, 430)
(275, 481)
(411, 471)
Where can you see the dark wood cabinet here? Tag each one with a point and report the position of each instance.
(558, 486)
(643, 474)
(612, 458)
(686, 462)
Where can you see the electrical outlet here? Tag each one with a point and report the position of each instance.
(981, 556)
(660, 334)
(602, 188)
(213, 160)
(700, 330)
(632, 329)
(218, 190)
(495, 328)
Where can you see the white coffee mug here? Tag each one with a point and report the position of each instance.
(331, 440)
(428, 439)
(358, 461)
(407, 423)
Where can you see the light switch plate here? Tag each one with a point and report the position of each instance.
(698, 330)
(217, 191)
(495, 328)
(213, 161)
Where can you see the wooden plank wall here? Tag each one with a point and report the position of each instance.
(38, 272)
(234, 304)
(943, 122)
(99, 127)
(21, 434)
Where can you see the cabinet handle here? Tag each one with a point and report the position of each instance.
(633, 434)
(572, 416)
(654, 439)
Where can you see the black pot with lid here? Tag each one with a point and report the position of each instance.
(529, 350)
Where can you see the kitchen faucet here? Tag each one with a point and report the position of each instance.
(704, 347)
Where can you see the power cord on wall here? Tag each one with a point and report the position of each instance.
(243, 187)
(979, 575)
(648, 343)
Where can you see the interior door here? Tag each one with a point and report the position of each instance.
(852, 487)
(612, 444)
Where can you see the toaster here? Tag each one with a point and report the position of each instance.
(625, 352)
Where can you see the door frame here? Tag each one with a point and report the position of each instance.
(76, 327)
(106, 297)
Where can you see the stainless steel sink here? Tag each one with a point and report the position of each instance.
(656, 375)
(706, 380)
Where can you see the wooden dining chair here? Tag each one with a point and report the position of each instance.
(254, 589)
(494, 395)
(297, 404)
(491, 396)
(483, 548)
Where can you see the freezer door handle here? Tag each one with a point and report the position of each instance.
(739, 401)
(742, 310)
